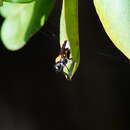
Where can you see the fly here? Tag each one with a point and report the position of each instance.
(63, 58)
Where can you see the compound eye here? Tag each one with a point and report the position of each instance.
(64, 61)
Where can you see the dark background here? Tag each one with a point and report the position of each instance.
(34, 97)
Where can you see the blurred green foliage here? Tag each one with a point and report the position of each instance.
(23, 18)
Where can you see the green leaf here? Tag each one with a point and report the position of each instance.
(69, 31)
(1, 2)
(115, 17)
(22, 21)
(19, 1)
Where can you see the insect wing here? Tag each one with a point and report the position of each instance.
(68, 69)
(63, 48)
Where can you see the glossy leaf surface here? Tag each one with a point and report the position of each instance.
(115, 17)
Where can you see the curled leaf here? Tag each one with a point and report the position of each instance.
(69, 32)
(22, 21)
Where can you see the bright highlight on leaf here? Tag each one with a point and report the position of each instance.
(69, 32)
(115, 17)
(22, 21)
